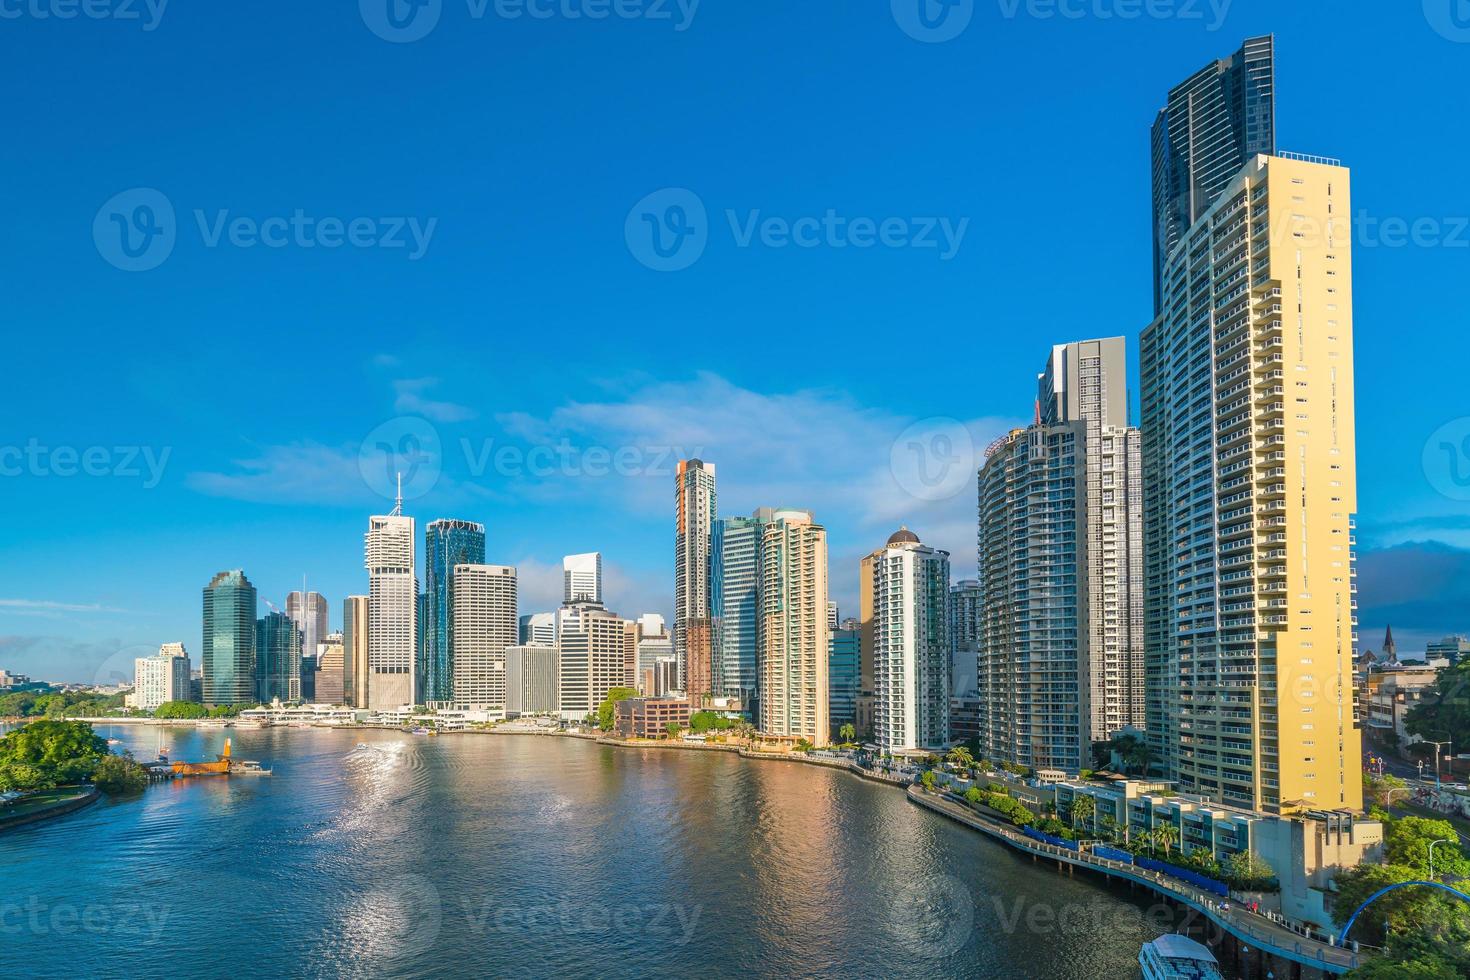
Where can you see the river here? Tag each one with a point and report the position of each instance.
(483, 855)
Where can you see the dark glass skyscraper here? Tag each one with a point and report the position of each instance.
(447, 543)
(1214, 122)
(277, 658)
(228, 654)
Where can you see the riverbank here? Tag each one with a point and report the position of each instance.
(28, 812)
(1253, 931)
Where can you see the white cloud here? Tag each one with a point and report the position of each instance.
(46, 607)
(410, 392)
(816, 449)
(305, 472)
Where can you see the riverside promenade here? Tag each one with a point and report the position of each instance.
(1250, 929)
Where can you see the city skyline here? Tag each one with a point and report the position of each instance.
(275, 495)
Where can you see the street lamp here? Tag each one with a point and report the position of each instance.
(1442, 840)
(1436, 745)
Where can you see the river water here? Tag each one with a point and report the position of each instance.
(379, 854)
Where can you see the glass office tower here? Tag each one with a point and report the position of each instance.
(228, 654)
(1213, 122)
(447, 543)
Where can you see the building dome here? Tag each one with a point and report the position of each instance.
(903, 536)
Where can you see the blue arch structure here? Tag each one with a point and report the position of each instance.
(1382, 891)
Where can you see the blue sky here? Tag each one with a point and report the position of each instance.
(233, 397)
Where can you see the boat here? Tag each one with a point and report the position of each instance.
(114, 741)
(421, 731)
(248, 767)
(1177, 957)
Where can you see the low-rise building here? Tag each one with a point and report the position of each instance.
(649, 717)
(1388, 695)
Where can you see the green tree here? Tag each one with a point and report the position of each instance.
(45, 754)
(804, 745)
(119, 774)
(1380, 789)
(928, 780)
(1444, 712)
(1413, 911)
(960, 757)
(1164, 837)
(847, 733)
(1249, 872)
(1082, 809)
(181, 710)
(606, 710)
(974, 795)
(673, 728)
(1406, 843)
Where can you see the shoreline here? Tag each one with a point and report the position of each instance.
(58, 809)
(1268, 938)
(1330, 960)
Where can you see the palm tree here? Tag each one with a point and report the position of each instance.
(847, 733)
(1083, 807)
(1165, 835)
(1110, 827)
(960, 757)
(1139, 756)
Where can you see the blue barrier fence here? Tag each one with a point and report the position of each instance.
(1112, 854)
(1070, 845)
(1193, 877)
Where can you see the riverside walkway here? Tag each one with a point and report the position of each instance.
(1246, 926)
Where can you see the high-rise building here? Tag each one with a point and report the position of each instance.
(652, 650)
(594, 651)
(1087, 382)
(1249, 472)
(483, 604)
(695, 513)
(1032, 540)
(910, 612)
(355, 670)
(842, 676)
(329, 685)
(793, 651)
(393, 595)
(228, 656)
(161, 678)
(538, 629)
(308, 610)
(735, 588)
(964, 637)
(1213, 122)
(277, 658)
(582, 578)
(447, 545)
(532, 684)
(1451, 648)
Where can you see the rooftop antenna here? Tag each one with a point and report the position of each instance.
(398, 503)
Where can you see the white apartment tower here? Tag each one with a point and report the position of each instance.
(161, 677)
(484, 612)
(910, 596)
(1087, 382)
(794, 637)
